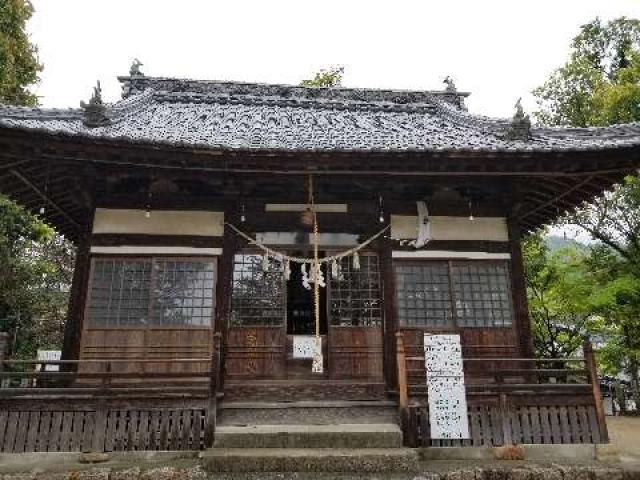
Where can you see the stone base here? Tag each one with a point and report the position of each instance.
(326, 460)
(310, 436)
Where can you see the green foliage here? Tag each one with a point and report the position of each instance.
(598, 85)
(331, 77)
(560, 291)
(19, 65)
(35, 273)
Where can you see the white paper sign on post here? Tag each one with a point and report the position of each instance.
(445, 387)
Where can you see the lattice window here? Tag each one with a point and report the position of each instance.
(355, 296)
(120, 293)
(424, 294)
(258, 297)
(482, 294)
(139, 292)
(183, 293)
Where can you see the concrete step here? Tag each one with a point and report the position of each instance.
(386, 435)
(306, 412)
(322, 460)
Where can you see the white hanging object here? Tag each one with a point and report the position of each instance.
(334, 270)
(356, 261)
(305, 276)
(424, 226)
(287, 270)
(317, 365)
(265, 263)
(319, 277)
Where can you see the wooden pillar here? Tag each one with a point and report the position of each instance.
(224, 286)
(77, 299)
(519, 290)
(590, 364)
(390, 326)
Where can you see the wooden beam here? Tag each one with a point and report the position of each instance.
(562, 195)
(46, 198)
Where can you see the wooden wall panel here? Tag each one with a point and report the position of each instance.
(256, 353)
(355, 352)
(151, 343)
(495, 342)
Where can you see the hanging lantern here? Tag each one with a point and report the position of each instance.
(356, 261)
(265, 263)
(380, 211)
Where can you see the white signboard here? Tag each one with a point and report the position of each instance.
(304, 346)
(49, 355)
(445, 387)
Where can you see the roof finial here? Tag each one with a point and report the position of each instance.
(451, 87)
(95, 112)
(520, 128)
(134, 70)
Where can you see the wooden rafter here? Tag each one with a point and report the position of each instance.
(46, 198)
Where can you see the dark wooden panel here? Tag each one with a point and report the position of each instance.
(494, 342)
(255, 352)
(488, 426)
(150, 343)
(355, 352)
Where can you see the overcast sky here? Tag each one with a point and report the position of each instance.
(498, 50)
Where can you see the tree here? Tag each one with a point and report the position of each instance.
(19, 65)
(331, 77)
(35, 262)
(35, 273)
(599, 84)
(559, 289)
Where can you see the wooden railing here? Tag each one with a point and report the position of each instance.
(510, 400)
(109, 404)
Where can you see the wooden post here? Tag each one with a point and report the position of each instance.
(519, 290)
(403, 391)
(590, 364)
(408, 426)
(100, 418)
(507, 438)
(212, 404)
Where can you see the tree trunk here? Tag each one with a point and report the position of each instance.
(635, 385)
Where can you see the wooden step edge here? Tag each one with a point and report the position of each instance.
(307, 404)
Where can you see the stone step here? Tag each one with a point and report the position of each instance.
(386, 435)
(306, 412)
(322, 460)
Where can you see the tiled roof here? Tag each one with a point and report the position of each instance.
(241, 116)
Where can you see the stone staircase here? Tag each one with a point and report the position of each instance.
(309, 436)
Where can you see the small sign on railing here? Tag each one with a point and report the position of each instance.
(445, 387)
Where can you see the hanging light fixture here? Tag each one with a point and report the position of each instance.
(147, 212)
(243, 217)
(46, 189)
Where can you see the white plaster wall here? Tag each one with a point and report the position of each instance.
(161, 222)
(452, 228)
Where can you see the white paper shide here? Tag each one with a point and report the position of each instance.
(445, 386)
